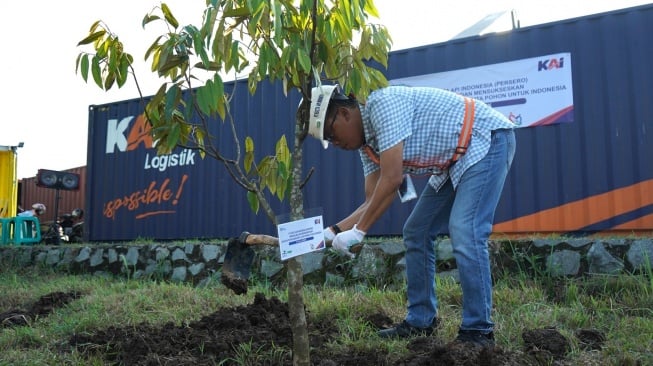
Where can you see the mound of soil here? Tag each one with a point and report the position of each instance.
(42, 307)
(250, 335)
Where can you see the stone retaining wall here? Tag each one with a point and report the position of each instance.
(378, 263)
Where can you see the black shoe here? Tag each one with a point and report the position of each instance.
(485, 340)
(405, 330)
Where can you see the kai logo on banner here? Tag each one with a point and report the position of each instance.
(554, 63)
(124, 138)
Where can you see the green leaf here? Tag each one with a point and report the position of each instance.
(225, 50)
(97, 73)
(370, 9)
(217, 91)
(235, 54)
(355, 79)
(123, 70)
(149, 18)
(174, 135)
(199, 137)
(253, 201)
(249, 159)
(285, 55)
(263, 169)
(281, 187)
(263, 61)
(160, 94)
(109, 80)
(92, 37)
(345, 15)
(203, 95)
(282, 151)
(249, 154)
(238, 12)
(304, 60)
(94, 26)
(154, 47)
(84, 66)
(271, 178)
(172, 98)
(255, 18)
(102, 49)
(172, 62)
(210, 16)
(189, 109)
(278, 26)
(378, 79)
(198, 44)
(283, 170)
(169, 17)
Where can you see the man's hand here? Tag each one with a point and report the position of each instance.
(328, 234)
(346, 239)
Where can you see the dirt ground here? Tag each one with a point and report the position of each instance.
(214, 340)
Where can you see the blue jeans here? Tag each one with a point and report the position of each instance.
(468, 212)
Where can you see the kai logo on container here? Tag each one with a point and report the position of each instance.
(551, 64)
(138, 134)
(125, 139)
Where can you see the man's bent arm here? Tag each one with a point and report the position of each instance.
(390, 177)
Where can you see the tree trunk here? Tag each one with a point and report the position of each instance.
(295, 274)
(298, 324)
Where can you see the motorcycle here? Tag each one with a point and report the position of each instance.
(69, 228)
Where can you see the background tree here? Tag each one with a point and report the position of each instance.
(298, 43)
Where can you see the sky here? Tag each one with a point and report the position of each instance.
(45, 103)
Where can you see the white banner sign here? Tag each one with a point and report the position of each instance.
(300, 237)
(530, 92)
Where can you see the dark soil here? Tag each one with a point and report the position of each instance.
(43, 307)
(218, 338)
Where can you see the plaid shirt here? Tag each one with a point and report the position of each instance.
(429, 121)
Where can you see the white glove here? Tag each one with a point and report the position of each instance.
(328, 234)
(346, 239)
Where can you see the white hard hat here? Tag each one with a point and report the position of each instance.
(320, 98)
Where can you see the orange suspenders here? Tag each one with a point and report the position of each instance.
(461, 149)
(466, 132)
